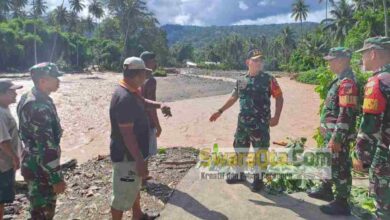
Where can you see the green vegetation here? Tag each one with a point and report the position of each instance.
(363, 203)
(201, 37)
(160, 73)
(62, 36)
(161, 151)
(276, 184)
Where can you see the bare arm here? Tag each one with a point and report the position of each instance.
(6, 148)
(152, 104)
(276, 92)
(229, 103)
(278, 106)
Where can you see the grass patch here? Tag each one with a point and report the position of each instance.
(160, 73)
(161, 151)
(309, 77)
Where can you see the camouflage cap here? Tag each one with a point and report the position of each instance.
(380, 43)
(254, 54)
(338, 52)
(49, 69)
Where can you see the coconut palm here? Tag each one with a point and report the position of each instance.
(5, 7)
(342, 20)
(132, 14)
(326, 6)
(386, 21)
(361, 5)
(38, 9)
(300, 11)
(96, 9)
(60, 19)
(17, 8)
(76, 6)
(287, 41)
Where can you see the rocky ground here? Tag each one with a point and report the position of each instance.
(83, 101)
(89, 187)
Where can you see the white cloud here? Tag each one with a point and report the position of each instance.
(242, 6)
(265, 2)
(215, 12)
(182, 19)
(315, 16)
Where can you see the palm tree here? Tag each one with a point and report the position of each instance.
(17, 8)
(341, 22)
(326, 6)
(5, 7)
(385, 12)
(89, 24)
(287, 41)
(316, 44)
(76, 6)
(360, 5)
(60, 19)
(299, 11)
(96, 9)
(132, 14)
(38, 9)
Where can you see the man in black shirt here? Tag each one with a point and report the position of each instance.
(129, 139)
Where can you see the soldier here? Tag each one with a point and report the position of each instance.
(10, 144)
(254, 91)
(373, 141)
(40, 130)
(338, 118)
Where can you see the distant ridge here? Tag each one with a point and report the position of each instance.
(201, 36)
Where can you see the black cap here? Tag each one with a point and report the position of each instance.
(146, 55)
(7, 85)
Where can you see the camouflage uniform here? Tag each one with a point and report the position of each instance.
(338, 118)
(41, 132)
(373, 140)
(253, 120)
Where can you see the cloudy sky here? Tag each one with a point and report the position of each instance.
(229, 12)
(226, 12)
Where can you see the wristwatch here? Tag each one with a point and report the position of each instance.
(220, 111)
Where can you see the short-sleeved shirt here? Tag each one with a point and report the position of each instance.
(148, 91)
(8, 132)
(254, 94)
(128, 107)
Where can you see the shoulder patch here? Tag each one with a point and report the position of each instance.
(276, 91)
(348, 93)
(374, 100)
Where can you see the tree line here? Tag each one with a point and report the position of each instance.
(296, 49)
(112, 30)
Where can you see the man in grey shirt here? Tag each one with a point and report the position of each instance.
(9, 144)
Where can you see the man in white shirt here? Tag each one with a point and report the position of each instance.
(9, 144)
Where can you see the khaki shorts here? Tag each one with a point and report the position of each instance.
(124, 190)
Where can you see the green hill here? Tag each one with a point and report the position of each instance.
(202, 36)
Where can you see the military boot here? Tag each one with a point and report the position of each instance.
(257, 184)
(233, 178)
(323, 193)
(337, 207)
